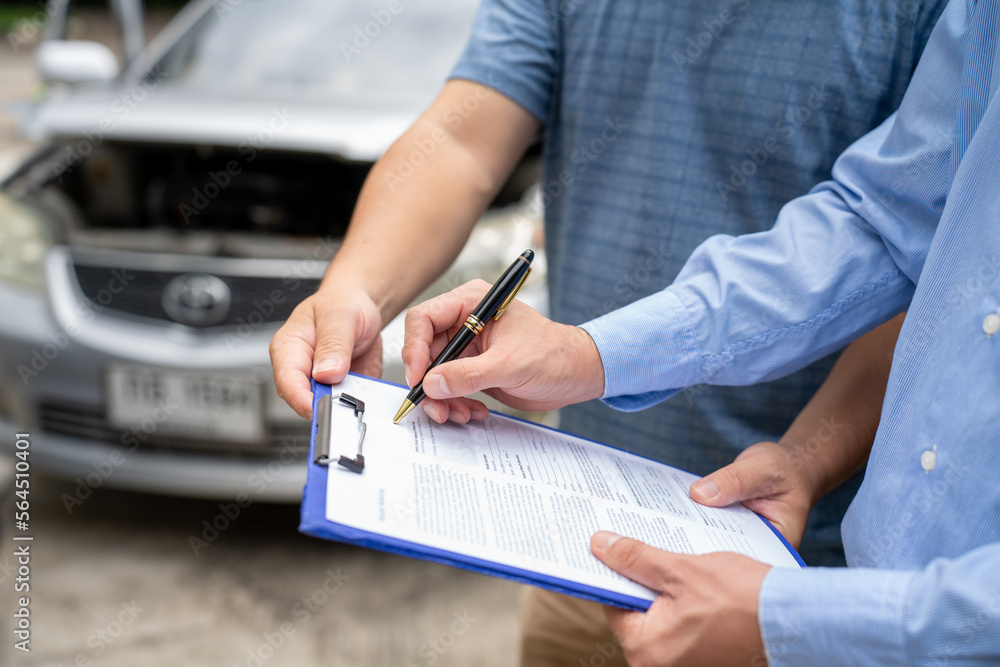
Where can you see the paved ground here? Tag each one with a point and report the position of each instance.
(118, 584)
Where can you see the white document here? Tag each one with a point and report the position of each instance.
(526, 496)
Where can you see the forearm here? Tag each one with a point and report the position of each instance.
(838, 262)
(413, 216)
(754, 308)
(833, 435)
(421, 200)
(945, 613)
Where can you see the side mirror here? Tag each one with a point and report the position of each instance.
(75, 62)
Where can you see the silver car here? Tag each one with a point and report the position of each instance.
(176, 213)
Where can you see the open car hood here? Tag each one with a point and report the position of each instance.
(354, 129)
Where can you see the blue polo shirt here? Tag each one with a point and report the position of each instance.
(669, 122)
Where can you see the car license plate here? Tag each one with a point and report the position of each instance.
(188, 405)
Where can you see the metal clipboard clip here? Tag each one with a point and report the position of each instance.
(357, 464)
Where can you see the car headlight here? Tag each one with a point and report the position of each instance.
(25, 237)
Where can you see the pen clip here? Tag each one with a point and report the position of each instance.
(510, 297)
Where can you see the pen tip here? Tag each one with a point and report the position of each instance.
(528, 255)
(404, 410)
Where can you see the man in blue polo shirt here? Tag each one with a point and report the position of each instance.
(909, 221)
(664, 123)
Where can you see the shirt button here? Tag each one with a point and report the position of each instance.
(928, 459)
(991, 324)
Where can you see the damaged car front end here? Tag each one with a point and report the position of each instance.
(173, 218)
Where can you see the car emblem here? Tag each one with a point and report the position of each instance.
(197, 299)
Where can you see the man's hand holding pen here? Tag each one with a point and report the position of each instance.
(532, 363)
(493, 304)
(523, 359)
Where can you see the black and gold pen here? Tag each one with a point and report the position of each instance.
(493, 305)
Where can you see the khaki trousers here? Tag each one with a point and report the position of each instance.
(562, 631)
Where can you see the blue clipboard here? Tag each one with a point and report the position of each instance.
(313, 522)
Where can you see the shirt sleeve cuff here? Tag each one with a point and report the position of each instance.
(847, 616)
(648, 349)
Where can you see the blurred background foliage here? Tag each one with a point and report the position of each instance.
(12, 12)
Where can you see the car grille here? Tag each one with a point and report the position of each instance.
(88, 422)
(143, 294)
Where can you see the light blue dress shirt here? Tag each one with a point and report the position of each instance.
(910, 221)
(667, 123)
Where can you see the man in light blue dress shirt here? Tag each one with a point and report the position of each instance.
(909, 221)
